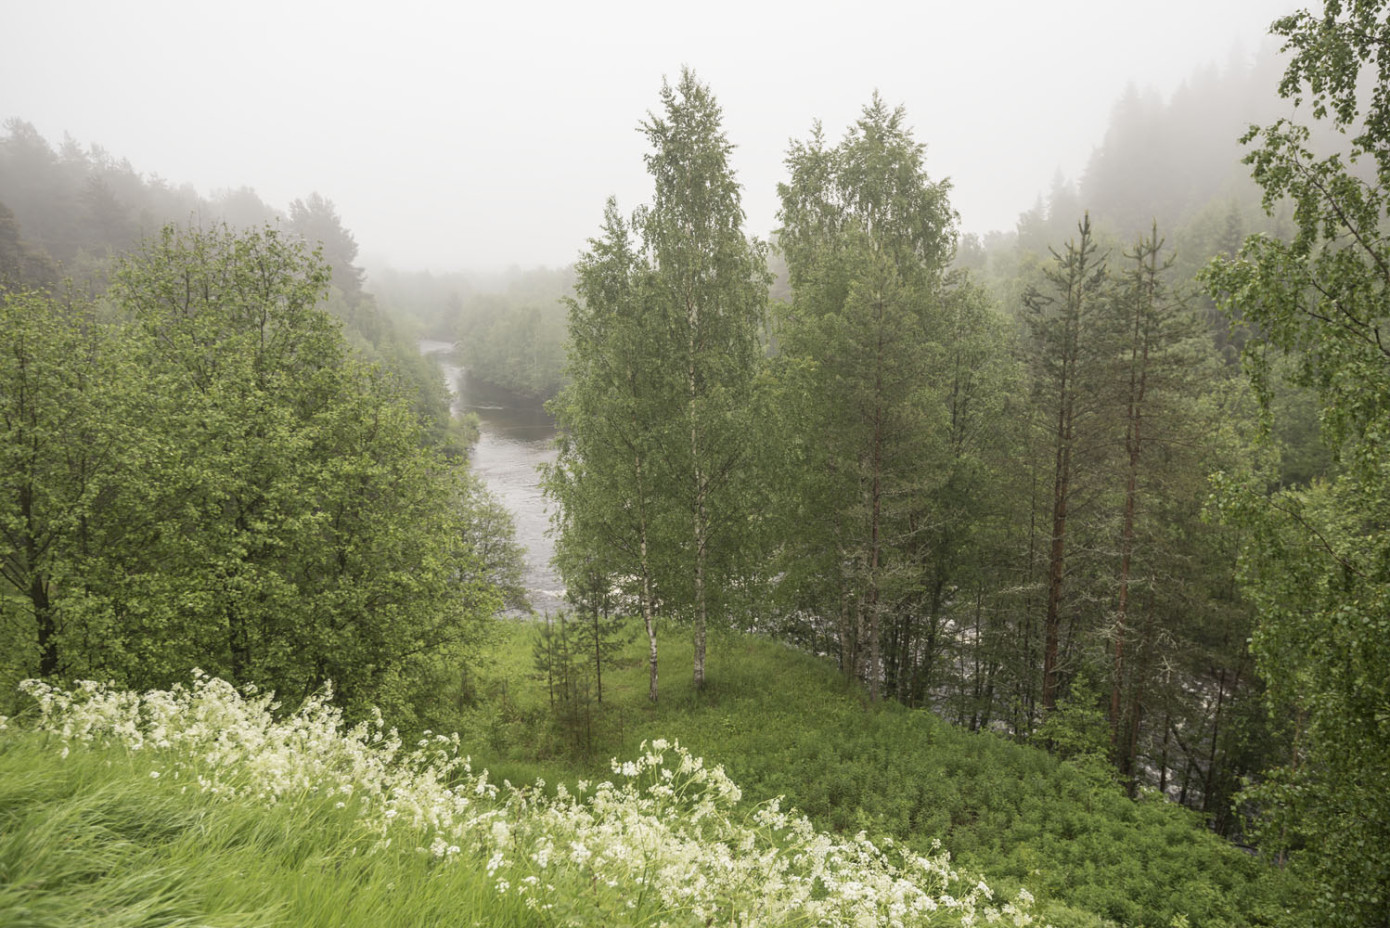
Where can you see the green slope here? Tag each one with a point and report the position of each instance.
(784, 723)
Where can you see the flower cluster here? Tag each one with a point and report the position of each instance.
(666, 841)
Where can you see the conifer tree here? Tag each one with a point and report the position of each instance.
(866, 237)
(1063, 325)
(1159, 366)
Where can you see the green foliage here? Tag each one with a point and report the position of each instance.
(508, 328)
(1094, 554)
(59, 467)
(658, 420)
(81, 204)
(1067, 356)
(866, 236)
(567, 667)
(315, 220)
(84, 208)
(1313, 566)
(20, 262)
(1316, 560)
(664, 838)
(613, 421)
(517, 342)
(785, 723)
(600, 631)
(708, 285)
(210, 479)
(1077, 730)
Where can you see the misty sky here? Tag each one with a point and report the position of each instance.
(456, 135)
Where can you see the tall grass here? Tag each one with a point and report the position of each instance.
(203, 806)
(261, 818)
(95, 839)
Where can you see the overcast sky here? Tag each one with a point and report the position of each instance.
(456, 135)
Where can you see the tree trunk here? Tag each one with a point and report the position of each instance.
(648, 605)
(649, 620)
(849, 637)
(598, 649)
(692, 314)
(39, 601)
(47, 627)
(1061, 488)
(1134, 416)
(1208, 779)
(875, 516)
(1163, 757)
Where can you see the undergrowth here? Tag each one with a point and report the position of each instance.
(785, 723)
(206, 806)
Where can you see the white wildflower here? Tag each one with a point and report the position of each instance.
(673, 827)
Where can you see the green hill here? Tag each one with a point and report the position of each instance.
(203, 807)
(785, 723)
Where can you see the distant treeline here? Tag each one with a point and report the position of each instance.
(66, 213)
(509, 327)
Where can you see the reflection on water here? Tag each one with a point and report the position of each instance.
(516, 437)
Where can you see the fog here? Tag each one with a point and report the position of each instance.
(456, 136)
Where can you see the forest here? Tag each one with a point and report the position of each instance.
(1055, 556)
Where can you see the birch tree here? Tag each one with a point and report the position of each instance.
(665, 346)
(613, 423)
(710, 285)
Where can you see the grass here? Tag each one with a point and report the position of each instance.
(97, 839)
(200, 805)
(94, 840)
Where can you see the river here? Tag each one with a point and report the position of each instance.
(516, 437)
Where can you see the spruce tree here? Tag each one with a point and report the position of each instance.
(866, 236)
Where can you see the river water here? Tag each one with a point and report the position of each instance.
(516, 437)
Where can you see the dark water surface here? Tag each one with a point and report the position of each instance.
(516, 438)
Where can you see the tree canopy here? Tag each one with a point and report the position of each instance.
(201, 474)
(1316, 562)
(665, 348)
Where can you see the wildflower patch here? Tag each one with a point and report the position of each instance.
(667, 840)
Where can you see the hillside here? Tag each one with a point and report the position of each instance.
(216, 814)
(784, 723)
(196, 806)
